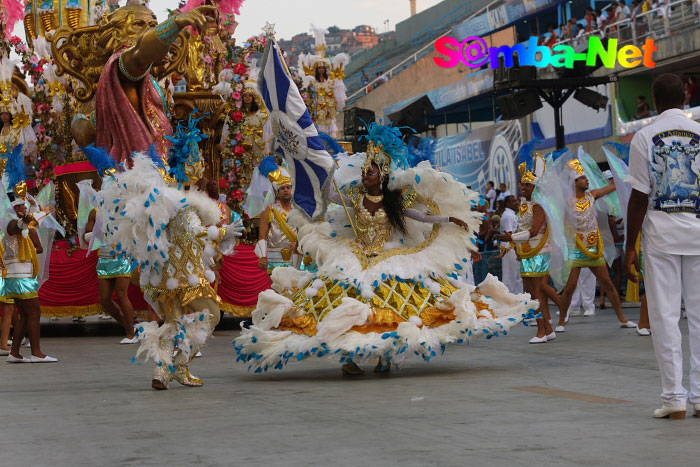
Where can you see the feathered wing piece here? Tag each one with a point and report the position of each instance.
(620, 172)
(47, 229)
(553, 193)
(622, 150)
(15, 13)
(261, 193)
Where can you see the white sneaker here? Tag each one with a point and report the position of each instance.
(105, 316)
(538, 340)
(198, 354)
(552, 336)
(628, 324)
(126, 340)
(589, 312)
(560, 329)
(574, 312)
(4, 353)
(670, 411)
(643, 332)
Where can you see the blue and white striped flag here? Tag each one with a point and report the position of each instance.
(297, 140)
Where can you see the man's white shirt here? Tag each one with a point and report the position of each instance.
(665, 164)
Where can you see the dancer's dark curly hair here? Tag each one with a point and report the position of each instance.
(393, 207)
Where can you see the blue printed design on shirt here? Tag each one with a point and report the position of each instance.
(675, 169)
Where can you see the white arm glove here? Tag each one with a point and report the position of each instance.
(261, 249)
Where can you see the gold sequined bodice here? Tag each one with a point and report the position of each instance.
(526, 216)
(323, 105)
(373, 230)
(586, 223)
(186, 255)
(8, 139)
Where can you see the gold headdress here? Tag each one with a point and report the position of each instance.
(575, 165)
(280, 178)
(380, 157)
(535, 170)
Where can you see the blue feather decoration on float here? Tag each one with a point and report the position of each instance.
(15, 167)
(267, 166)
(424, 150)
(185, 148)
(331, 144)
(99, 158)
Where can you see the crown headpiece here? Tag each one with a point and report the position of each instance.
(575, 165)
(532, 164)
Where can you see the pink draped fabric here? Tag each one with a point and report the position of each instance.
(119, 126)
(241, 278)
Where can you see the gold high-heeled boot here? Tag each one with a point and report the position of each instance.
(162, 374)
(182, 371)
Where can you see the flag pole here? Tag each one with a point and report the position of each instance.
(347, 211)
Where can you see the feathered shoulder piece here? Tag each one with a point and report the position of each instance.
(100, 159)
(622, 150)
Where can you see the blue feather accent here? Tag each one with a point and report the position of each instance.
(185, 148)
(332, 146)
(15, 166)
(99, 158)
(421, 149)
(525, 154)
(389, 137)
(267, 166)
(559, 152)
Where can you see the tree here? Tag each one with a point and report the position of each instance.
(333, 30)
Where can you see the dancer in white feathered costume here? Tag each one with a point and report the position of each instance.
(382, 293)
(165, 230)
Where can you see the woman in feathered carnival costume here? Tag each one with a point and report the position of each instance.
(395, 286)
(27, 233)
(172, 233)
(113, 274)
(574, 214)
(323, 78)
(532, 244)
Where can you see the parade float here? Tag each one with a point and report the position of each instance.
(58, 68)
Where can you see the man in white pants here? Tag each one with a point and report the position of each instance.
(584, 295)
(509, 263)
(664, 168)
